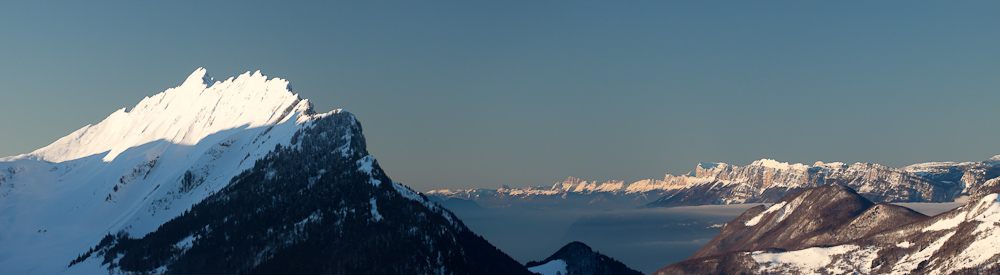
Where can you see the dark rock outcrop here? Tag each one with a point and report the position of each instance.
(580, 259)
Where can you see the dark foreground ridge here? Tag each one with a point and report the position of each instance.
(831, 228)
(822, 216)
(580, 259)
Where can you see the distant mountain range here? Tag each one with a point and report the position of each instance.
(831, 229)
(572, 192)
(763, 181)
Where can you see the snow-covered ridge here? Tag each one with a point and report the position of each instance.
(881, 239)
(762, 181)
(773, 208)
(171, 151)
(184, 115)
(767, 180)
(938, 246)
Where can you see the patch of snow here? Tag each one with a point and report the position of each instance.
(413, 195)
(904, 244)
(981, 251)
(366, 165)
(829, 165)
(345, 150)
(312, 218)
(911, 261)
(756, 219)
(185, 244)
(986, 210)
(770, 163)
(183, 115)
(809, 259)
(927, 168)
(375, 215)
(407, 193)
(609, 186)
(552, 267)
(847, 263)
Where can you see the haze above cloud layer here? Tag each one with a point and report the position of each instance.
(462, 95)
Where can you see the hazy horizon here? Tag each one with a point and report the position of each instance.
(466, 95)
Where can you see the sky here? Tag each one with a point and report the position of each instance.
(469, 94)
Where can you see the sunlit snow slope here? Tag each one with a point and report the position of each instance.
(139, 168)
(808, 234)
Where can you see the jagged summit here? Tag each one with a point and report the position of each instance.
(202, 73)
(766, 181)
(199, 107)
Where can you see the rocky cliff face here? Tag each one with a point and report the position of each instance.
(766, 181)
(763, 181)
(960, 241)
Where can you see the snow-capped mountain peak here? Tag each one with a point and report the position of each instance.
(223, 157)
(184, 115)
(201, 76)
(773, 164)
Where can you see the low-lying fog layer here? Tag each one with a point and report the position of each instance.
(644, 239)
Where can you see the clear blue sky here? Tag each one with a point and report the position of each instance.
(462, 94)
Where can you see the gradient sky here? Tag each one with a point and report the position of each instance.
(463, 94)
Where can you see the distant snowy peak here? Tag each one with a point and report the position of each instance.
(706, 170)
(186, 114)
(574, 185)
(571, 193)
(766, 181)
(770, 163)
(762, 181)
